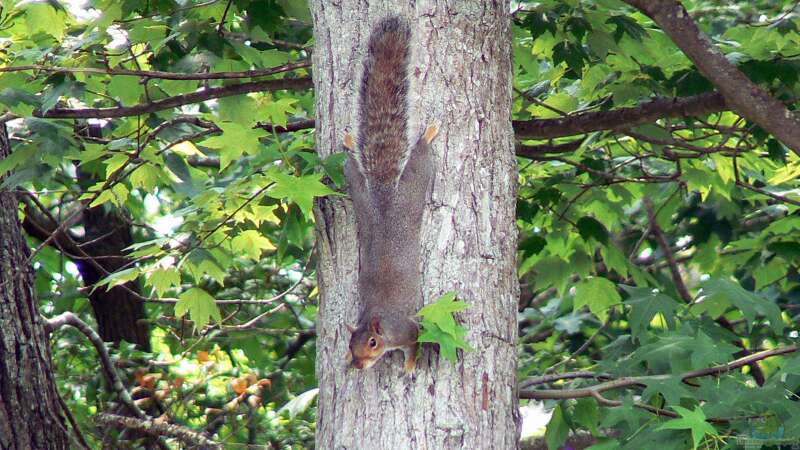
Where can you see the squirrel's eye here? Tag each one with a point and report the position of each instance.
(373, 343)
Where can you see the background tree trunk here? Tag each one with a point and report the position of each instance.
(460, 76)
(30, 414)
(119, 311)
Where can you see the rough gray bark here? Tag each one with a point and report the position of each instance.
(30, 414)
(460, 75)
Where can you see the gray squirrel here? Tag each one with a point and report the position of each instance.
(388, 198)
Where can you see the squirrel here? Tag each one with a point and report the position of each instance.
(388, 199)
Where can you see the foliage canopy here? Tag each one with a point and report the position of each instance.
(648, 251)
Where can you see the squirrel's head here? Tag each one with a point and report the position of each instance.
(366, 344)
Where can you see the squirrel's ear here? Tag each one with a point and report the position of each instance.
(375, 325)
(351, 328)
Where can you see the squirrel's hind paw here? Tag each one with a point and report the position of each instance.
(410, 367)
(430, 133)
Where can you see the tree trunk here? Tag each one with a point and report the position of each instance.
(460, 76)
(119, 311)
(30, 413)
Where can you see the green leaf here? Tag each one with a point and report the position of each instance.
(448, 342)
(105, 196)
(239, 109)
(234, 141)
(178, 167)
(164, 279)
(120, 194)
(609, 444)
(118, 278)
(770, 273)
(671, 350)
(41, 17)
(789, 251)
(587, 414)
(626, 25)
(557, 430)
(599, 294)
(708, 352)
(125, 89)
(695, 421)
(115, 162)
(334, 167)
(200, 306)
(19, 102)
(294, 227)
(615, 260)
(588, 227)
(724, 291)
(145, 176)
(645, 303)
(273, 58)
(570, 53)
(300, 190)
(671, 387)
(440, 327)
(277, 110)
(532, 245)
(251, 243)
(20, 155)
(552, 271)
(441, 311)
(50, 97)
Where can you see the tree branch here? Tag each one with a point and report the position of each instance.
(156, 428)
(740, 93)
(161, 75)
(649, 112)
(537, 151)
(110, 373)
(596, 390)
(546, 379)
(291, 126)
(178, 100)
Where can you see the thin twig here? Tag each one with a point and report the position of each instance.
(580, 349)
(224, 15)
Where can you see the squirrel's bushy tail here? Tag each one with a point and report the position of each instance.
(383, 106)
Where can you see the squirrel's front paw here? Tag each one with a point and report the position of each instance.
(430, 133)
(349, 141)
